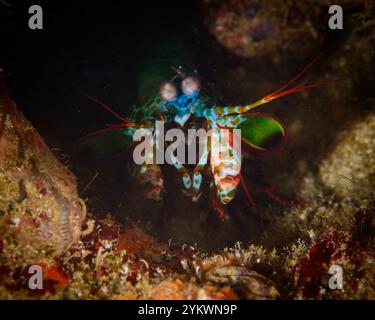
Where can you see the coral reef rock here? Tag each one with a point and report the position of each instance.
(253, 28)
(350, 169)
(39, 207)
(250, 283)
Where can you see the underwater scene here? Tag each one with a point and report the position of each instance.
(195, 150)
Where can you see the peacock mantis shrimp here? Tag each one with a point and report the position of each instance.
(181, 102)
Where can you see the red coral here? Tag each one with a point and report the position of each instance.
(54, 274)
(314, 267)
(334, 248)
(364, 216)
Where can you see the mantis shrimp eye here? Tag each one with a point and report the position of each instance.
(168, 91)
(190, 85)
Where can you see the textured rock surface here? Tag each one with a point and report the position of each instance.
(251, 284)
(350, 169)
(252, 28)
(39, 205)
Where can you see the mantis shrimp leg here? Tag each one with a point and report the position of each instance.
(192, 182)
(150, 177)
(225, 166)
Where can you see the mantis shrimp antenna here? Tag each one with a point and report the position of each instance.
(125, 122)
(278, 93)
(247, 192)
(282, 92)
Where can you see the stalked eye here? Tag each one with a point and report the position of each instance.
(168, 90)
(190, 85)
